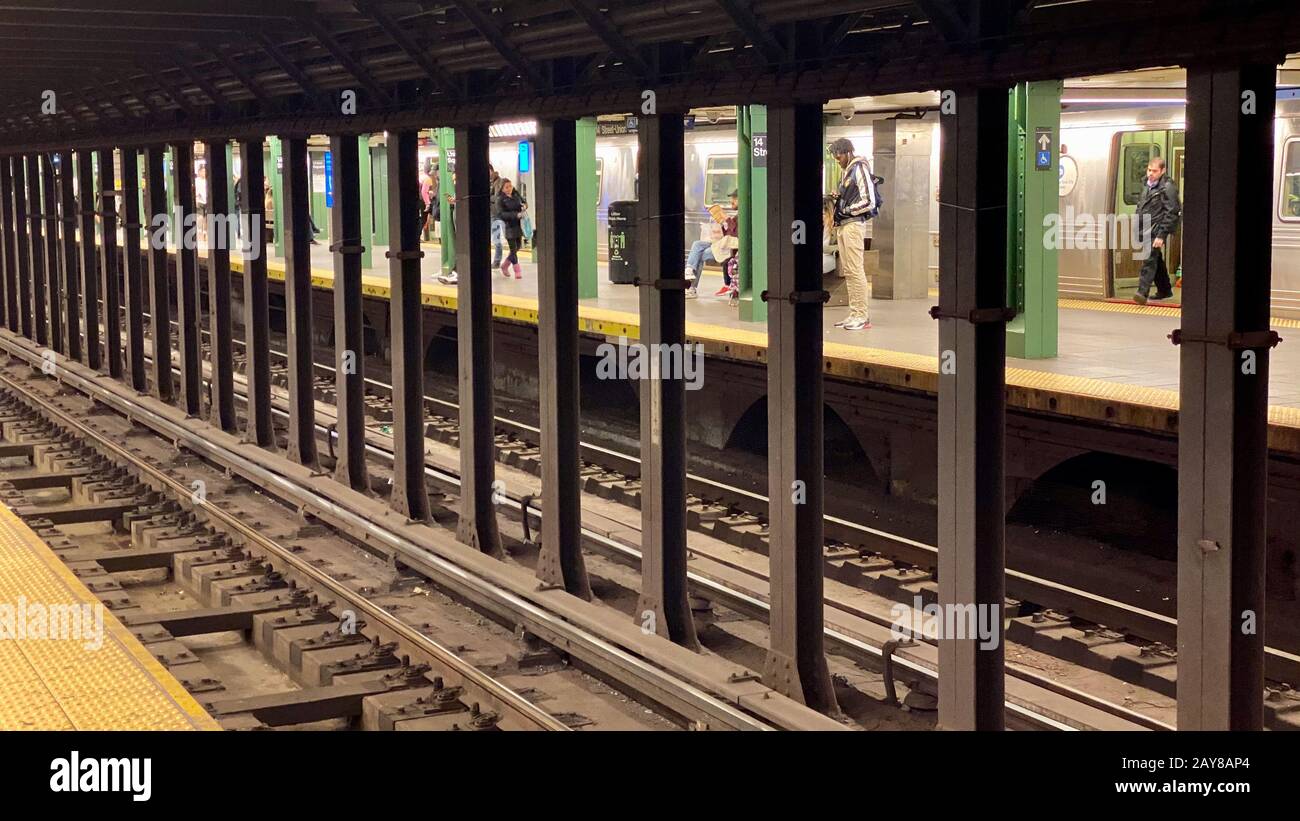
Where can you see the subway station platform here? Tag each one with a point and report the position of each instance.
(55, 677)
(1116, 363)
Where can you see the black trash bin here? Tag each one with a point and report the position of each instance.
(622, 242)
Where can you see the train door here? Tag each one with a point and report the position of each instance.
(1134, 150)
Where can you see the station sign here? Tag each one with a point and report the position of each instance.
(760, 149)
(329, 179)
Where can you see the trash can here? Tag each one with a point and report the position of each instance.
(622, 242)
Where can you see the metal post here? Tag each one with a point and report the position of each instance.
(89, 256)
(478, 518)
(560, 562)
(22, 248)
(110, 278)
(972, 346)
(297, 300)
(133, 263)
(257, 319)
(71, 263)
(50, 221)
(189, 325)
(221, 236)
(160, 309)
(7, 236)
(410, 496)
(1223, 417)
(349, 336)
(35, 226)
(796, 662)
(664, 604)
(588, 202)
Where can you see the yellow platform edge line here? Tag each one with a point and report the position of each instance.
(150, 666)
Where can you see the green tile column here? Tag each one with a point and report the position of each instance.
(379, 181)
(367, 201)
(588, 202)
(752, 216)
(1034, 132)
(273, 172)
(446, 156)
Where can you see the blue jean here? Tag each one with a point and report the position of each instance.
(498, 237)
(702, 252)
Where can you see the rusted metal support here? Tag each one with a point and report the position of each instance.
(22, 246)
(36, 229)
(89, 257)
(664, 604)
(297, 300)
(478, 516)
(796, 660)
(222, 235)
(1223, 396)
(133, 264)
(410, 496)
(71, 262)
(50, 225)
(257, 312)
(560, 562)
(110, 279)
(7, 237)
(349, 335)
(189, 325)
(972, 338)
(160, 308)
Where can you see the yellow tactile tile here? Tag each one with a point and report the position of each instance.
(75, 682)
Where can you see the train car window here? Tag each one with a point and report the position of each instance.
(1289, 204)
(1134, 162)
(720, 179)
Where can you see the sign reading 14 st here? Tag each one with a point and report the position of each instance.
(1043, 146)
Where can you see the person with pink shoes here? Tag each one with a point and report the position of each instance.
(510, 210)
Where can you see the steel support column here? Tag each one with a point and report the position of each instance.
(35, 227)
(221, 236)
(71, 263)
(257, 312)
(189, 325)
(664, 606)
(972, 345)
(108, 268)
(560, 562)
(349, 337)
(54, 279)
(478, 517)
(160, 308)
(89, 256)
(1223, 394)
(796, 662)
(297, 300)
(7, 236)
(22, 246)
(410, 497)
(133, 264)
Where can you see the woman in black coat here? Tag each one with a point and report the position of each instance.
(510, 210)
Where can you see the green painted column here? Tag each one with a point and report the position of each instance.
(367, 201)
(751, 122)
(446, 157)
(588, 202)
(1034, 132)
(169, 160)
(379, 182)
(273, 172)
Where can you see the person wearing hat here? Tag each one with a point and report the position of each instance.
(855, 203)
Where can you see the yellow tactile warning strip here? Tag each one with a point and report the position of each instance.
(63, 672)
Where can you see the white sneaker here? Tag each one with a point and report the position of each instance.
(846, 320)
(857, 325)
(448, 279)
(691, 293)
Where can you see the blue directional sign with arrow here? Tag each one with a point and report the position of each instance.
(1043, 149)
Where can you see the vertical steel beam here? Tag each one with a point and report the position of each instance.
(796, 661)
(50, 222)
(257, 312)
(35, 226)
(71, 263)
(560, 562)
(478, 518)
(6, 252)
(297, 298)
(221, 236)
(111, 279)
(664, 604)
(349, 335)
(22, 246)
(410, 496)
(160, 307)
(133, 264)
(7, 236)
(1223, 394)
(189, 324)
(972, 341)
(90, 255)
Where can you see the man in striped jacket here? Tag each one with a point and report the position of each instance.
(855, 203)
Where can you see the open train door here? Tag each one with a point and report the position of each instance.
(1134, 149)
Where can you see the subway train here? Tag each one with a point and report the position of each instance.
(1104, 153)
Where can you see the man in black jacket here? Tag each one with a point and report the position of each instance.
(1158, 213)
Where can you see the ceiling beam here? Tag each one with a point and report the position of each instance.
(759, 34)
(232, 65)
(345, 59)
(605, 29)
(946, 18)
(289, 67)
(218, 99)
(409, 47)
(484, 25)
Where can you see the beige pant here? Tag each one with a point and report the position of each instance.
(851, 237)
